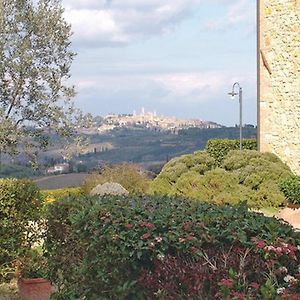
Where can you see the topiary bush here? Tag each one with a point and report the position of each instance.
(194, 164)
(291, 189)
(129, 176)
(243, 176)
(219, 148)
(20, 212)
(166, 248)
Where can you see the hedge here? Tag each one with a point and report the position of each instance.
(20, 212)
(219, 148)
(291, 189)
(135, 247)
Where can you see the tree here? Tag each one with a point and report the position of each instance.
(35, 61)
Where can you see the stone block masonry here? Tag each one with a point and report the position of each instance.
(279, 79)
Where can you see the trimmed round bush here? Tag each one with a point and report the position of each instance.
(20, 211)
(142, 247)
(243, 176)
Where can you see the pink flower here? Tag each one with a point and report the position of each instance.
(145, 235)
(254, 285)
(226, 282)
(190, 238)
(150, 225)
(259, 243)
(128, 226)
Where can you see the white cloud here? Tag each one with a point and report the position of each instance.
(240, 11)
(110, 22)
(191, 86)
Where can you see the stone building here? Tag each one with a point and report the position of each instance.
(279, 79)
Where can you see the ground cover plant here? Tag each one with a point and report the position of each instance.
(157, 247)
(242, 176)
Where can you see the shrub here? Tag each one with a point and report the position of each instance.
(62, 193)
(291, 189)
(128, 175)
(219, 148)
(243, 176)
(20, 212)
(114, 245)
(197, 163)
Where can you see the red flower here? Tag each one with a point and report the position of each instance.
(254, 285)
(145, 235)
(259, 243)
(226, 282)
(190, 238)
(150, 225)
(238, 295)
(128, 226)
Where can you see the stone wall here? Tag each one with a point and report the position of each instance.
(279, 79)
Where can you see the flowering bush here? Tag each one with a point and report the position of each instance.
(151, 247)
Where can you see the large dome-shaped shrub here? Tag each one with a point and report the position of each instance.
(243, 176)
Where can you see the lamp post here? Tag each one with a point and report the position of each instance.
(240, 93)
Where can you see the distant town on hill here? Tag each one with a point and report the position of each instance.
(147, 120)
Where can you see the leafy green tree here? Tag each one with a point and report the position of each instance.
(35, 60)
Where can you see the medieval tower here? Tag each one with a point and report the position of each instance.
(279, 79)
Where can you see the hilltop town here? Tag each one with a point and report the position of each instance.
(152, 121)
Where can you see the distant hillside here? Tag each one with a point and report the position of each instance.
(147, 147)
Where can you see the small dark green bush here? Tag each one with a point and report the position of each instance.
(100, 247)
(291, 189)
(219, 148)
(20, 212)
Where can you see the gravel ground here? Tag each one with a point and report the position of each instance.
(9, 292)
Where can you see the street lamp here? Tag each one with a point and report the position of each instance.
(233, 94)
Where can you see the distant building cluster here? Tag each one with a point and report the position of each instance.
(152, 121)
(59, 169)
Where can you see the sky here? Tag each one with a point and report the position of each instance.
(176, 57)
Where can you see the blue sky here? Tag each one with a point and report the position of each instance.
(178, 57)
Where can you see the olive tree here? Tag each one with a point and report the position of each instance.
(35, 61)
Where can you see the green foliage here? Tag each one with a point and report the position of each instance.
(20, 212)
(219, 148)
(243, 176)
(33, 264)
(109, 241)
(128, 175)
(62, 193)
(35, 61)
(291, 189)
